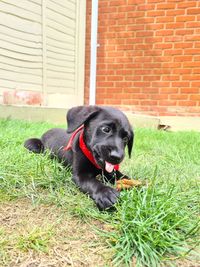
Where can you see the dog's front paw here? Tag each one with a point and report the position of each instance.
(106, 197)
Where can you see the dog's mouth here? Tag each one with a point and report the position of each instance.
(105, 165)
(109, 167)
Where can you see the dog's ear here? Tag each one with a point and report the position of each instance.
(79, 115)
(130, 143)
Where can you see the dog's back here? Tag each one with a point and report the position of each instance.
(54, 140)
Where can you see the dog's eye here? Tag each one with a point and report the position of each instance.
(106, 129)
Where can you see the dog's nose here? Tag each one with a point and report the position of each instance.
(116, 156)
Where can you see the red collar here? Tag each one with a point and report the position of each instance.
(83, 147)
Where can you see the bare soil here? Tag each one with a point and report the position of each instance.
(72, 243)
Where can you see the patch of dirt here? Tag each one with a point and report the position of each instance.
(73, 242)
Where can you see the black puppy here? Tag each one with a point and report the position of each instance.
(94, 142)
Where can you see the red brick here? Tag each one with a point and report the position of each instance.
(164, 32)
(184, 32)
(103, 3)
(195, 84)
(135, 27)
(107, 9)
(133, 78)
(190, 64)
(143, 46)
(181, 71)
(190, 90)
(166, 6)
(170, 78)
(154, 1)
(135, 2)
(146, 7)
(175, 12)
(185, 18)
(175, 25)
(150, 90)
(179, 97)
(165, 19)
(164, 59)
(132, 90)
(186, 103)
(155, 13)
(161, 84)
(162, 71)
(197, 44)
(125, 8)
(183, 45)
(151, 78)
(124, 72)
(149, 56)
(180, 84)
(196, 71)
(144, 33)
(105, 84)
(173, 52)
(159, 97)
(156, 39)
(190, 77)
(144, 21)
(194, 37)
(142, 72)
(115, 78)
(192, 51)
(154, 53)
(182, 58)
(133, 65)
(130, 102)
(153, 26)
(167, 103)
(173, 39)
(123, 84)
(169, 90)
(192, 11)
(112, 102)
(134, 40)
(141, 84)
(151, 65)
(193, 24)
(172, 65)
(186, 4)
(135, 14)
(149, 102)
(117, 2)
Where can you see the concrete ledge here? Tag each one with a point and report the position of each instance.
(58, 115)
(181, 123)
(30, 113)
(145, 121)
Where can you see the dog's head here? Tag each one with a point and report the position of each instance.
(107, 132)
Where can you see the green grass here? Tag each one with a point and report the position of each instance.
(153, 224)
(37, 239)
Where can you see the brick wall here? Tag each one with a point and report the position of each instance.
(149, 56)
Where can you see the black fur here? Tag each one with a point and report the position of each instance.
(106, 134)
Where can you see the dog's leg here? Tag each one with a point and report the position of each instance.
(115, 176)
(104, 196)
(120, 176)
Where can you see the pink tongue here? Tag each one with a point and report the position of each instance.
(109, 167)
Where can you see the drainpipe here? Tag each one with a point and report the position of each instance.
(93, 52)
